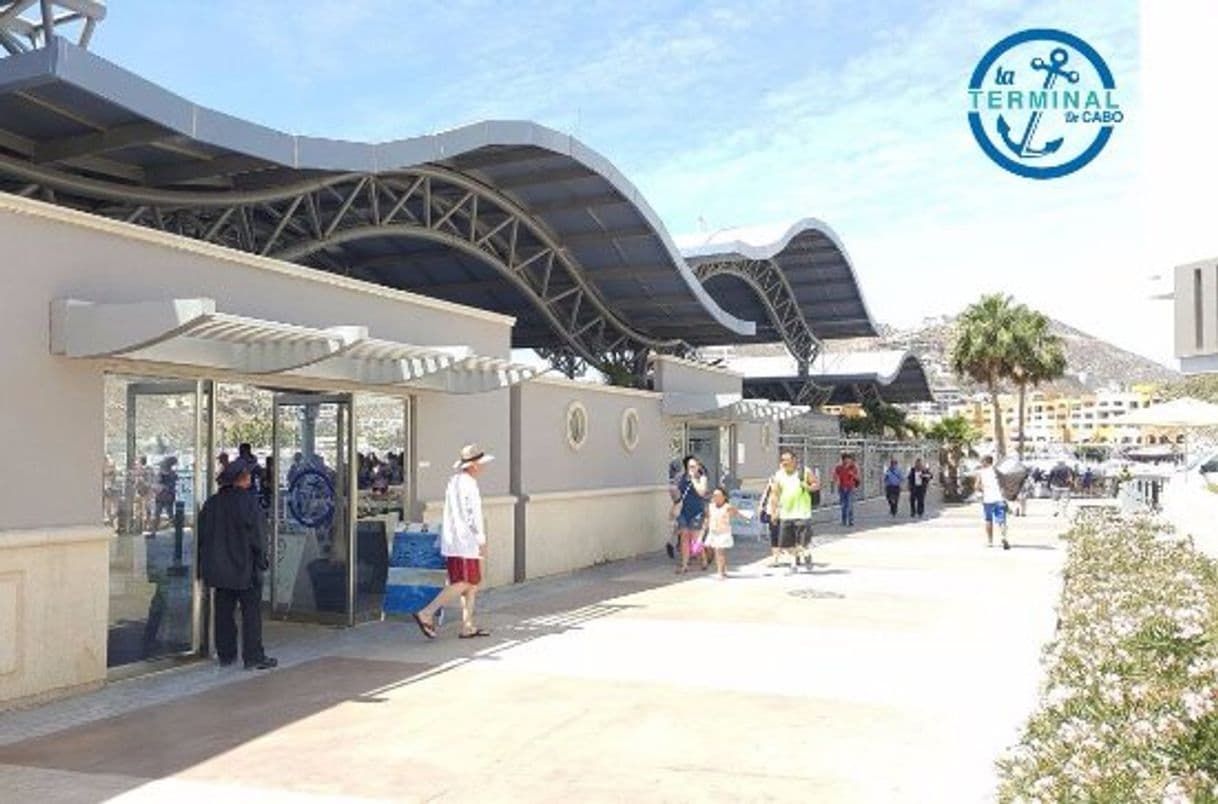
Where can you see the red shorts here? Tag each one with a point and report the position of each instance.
(464, 570)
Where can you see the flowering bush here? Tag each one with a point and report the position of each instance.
(1129, 709)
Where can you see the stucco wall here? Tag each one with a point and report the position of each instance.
(54, 585)
(549, 464)
(446, 422)
(681, 376)
(760, 459)
(499, 512)
(570, 530)
(51, 416)
(1186, 309)
(54, 581)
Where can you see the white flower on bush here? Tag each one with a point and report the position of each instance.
(1176, 794)
(1197, 704)
(1059, 695)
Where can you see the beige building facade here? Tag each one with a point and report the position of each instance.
(1195, 296)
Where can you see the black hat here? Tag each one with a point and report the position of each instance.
(229, 474)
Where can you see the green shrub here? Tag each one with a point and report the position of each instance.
(1129, 707)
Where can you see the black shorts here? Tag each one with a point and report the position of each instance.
(794, 532)
(775, 527)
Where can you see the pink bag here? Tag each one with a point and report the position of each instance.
(696, 546)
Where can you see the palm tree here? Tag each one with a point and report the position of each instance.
(984, 350)
(955, 435)
(1038, 357)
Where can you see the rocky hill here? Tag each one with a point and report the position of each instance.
(1092, 364)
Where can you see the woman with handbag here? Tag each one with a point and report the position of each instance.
(689, 510)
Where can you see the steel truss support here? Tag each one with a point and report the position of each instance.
(310, 221)
(625, 367)
(767, 280)
(29, 24)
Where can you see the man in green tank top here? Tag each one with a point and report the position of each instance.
(791, 493)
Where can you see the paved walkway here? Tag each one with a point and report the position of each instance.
(895, 671)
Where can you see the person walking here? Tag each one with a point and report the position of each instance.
(719, 515)
(846, 477)
(768, 512)
(463, 545)
(893, 478)
(232, 558)
(1061, 481)
(792, 495)
(690, 509)
(993, 504)
(919, 479)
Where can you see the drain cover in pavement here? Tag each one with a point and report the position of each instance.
(816, 594)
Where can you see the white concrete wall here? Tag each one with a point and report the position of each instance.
(760, 459)
(51, 413)
(569, 530)
(446, 422)
(596, 503)
(674, 375)
(54, 588)
(549, 464)
(498, 568)
(1186, 309)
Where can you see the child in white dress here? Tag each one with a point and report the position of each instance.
(719, 515)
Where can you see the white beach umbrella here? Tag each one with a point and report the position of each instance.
(1187, 414)
(1179, 414)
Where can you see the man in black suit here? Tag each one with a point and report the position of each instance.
(232, 558)
(919, 478)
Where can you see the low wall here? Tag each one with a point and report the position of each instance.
(500, 515)
(54, 595)
(572, 529)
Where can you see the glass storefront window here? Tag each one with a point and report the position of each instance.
(310, 572)
(152, 437)
(384, 498)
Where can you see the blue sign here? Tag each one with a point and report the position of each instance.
(1042, 103)
(311, 498)
(416, 571)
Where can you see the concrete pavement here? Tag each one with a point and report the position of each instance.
(896, 671)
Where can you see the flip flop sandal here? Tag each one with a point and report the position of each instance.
(429, 631)
(475, 634)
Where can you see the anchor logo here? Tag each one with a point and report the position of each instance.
(1069, 99)
(1055, 68)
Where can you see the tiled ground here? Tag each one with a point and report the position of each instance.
(893, 672)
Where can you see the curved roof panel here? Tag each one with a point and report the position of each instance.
(102, 138)
(818, 273)
(895, 375)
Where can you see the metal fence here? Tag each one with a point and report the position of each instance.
(822, 453)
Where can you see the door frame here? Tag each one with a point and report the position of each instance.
(347, 454)
(200, 489)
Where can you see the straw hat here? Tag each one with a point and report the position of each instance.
(471, 454)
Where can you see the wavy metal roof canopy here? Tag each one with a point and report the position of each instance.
(503, 215)
(796, 281)
(893, 376)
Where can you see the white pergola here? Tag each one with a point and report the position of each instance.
(728, 408)
(191, 332)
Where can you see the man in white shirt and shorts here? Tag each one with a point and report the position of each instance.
(463, 545)
(993, 504)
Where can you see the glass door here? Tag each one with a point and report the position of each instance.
(704, 445)
(312, 574)
(151, 489)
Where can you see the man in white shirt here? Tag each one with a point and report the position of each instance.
(993, 504)
(462, 543)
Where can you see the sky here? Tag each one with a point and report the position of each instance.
(737, 114)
